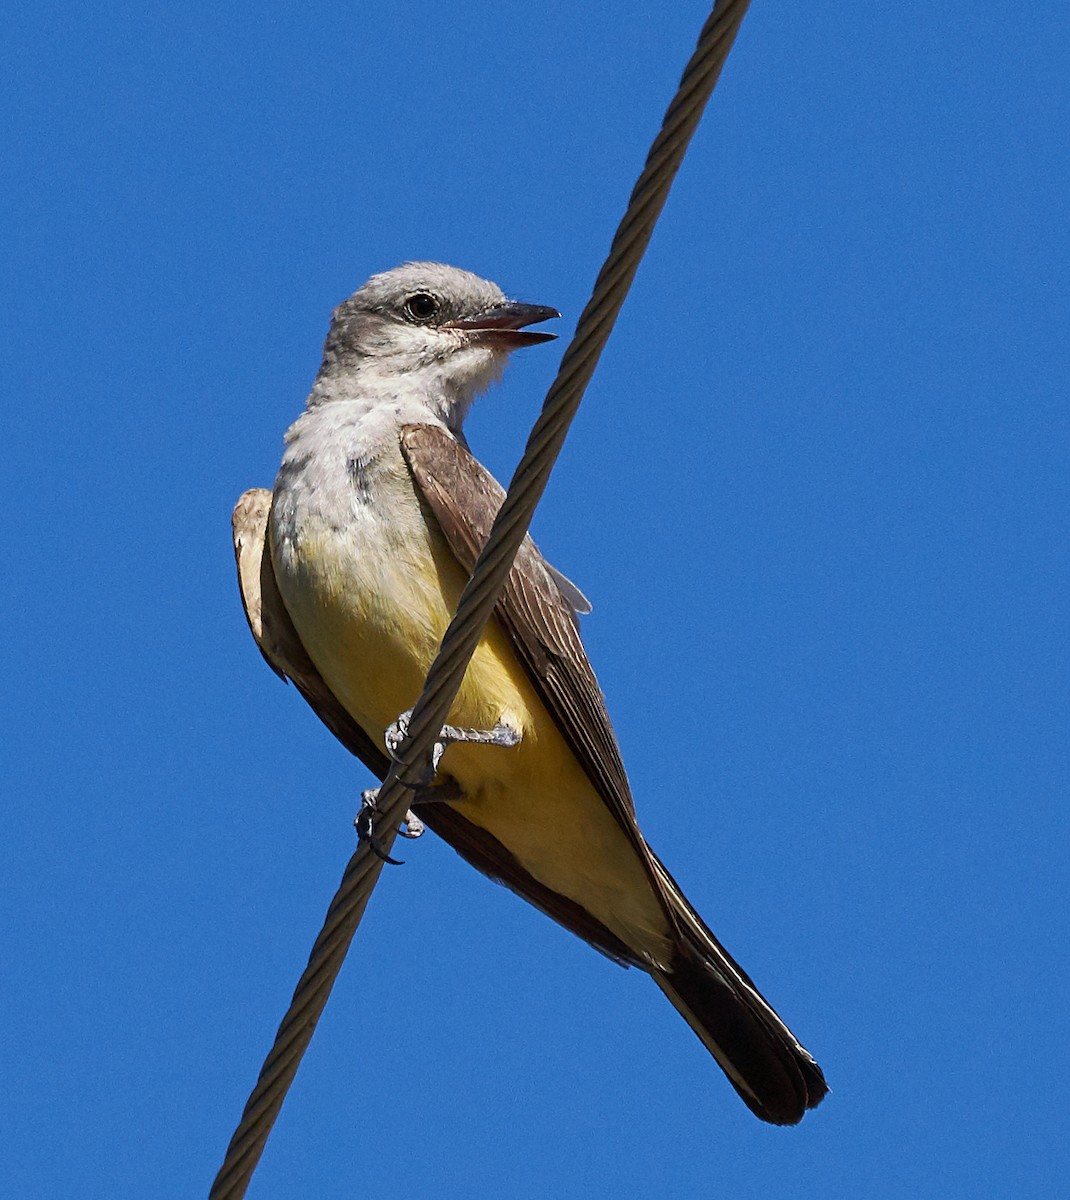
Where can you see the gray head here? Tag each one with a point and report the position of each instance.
(427, 327)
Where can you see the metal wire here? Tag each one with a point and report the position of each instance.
(481, 594)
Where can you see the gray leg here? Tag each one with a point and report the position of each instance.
(501, 735)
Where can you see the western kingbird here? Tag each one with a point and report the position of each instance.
(350, 572)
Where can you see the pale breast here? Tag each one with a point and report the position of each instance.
(369, 584)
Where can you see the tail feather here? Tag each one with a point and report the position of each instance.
(773, 1074)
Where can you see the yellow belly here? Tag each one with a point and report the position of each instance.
(373, 640)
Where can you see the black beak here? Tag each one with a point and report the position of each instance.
(504, 324)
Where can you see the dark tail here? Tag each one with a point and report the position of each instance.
(777, 1079)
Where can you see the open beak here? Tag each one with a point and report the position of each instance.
(503, 325)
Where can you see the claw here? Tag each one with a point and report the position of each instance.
(365, 827)
(397, 733)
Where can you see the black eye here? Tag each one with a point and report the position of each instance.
(420, 306)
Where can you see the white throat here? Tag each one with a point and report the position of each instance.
(445, 386)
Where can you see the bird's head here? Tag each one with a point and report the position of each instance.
(431, 327)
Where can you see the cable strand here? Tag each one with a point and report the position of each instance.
(481, 593)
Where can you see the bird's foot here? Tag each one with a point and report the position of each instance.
(411, 825)
(364, 823)
(501, 735)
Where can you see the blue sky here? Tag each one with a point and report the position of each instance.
(817, 493)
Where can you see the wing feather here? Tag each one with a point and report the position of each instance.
(772, 1072)
(464, 499)
(274, 632)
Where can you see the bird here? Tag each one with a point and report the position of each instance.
(350, 570)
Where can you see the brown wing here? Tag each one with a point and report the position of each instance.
(464, 498)
(772, 1072)
(283, 651)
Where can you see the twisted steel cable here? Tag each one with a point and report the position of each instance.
(481, 594)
